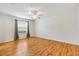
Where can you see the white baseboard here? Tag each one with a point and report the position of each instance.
(74, 43)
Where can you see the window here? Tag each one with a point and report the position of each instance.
(22, 29)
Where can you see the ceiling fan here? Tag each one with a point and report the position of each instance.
(35, 13)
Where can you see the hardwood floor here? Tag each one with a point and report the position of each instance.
(38, 47)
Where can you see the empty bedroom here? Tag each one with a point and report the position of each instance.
(39, 29)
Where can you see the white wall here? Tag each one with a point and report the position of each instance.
(59, 23)
(78, 21)
(32, 28)
(7, 27)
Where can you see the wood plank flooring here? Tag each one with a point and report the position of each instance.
(38, 47)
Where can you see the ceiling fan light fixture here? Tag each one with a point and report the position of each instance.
(34, 17)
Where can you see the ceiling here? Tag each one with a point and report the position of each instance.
(21, 9)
